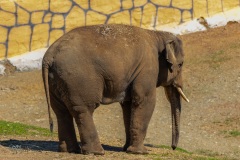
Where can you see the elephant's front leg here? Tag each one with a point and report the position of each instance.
(90, 143)
(142, 108)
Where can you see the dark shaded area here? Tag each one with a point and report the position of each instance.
(30, 145)
(112, 148)
(43, 145)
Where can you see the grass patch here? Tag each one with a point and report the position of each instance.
(177, 149)
(235, 45)
(207, 153)
(215, 59)
(11, 128)
(180, 153)
(234, 133)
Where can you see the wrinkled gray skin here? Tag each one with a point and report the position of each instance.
(103, 64)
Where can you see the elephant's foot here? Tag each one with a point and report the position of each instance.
(137, 150)
(94, 149)
(70, 148)
(125, 147)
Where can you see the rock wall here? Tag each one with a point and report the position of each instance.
(27, 25)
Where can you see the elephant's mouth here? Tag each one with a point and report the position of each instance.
(182, 94)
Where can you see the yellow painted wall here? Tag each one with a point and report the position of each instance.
(27, 25)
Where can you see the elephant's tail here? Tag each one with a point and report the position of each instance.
(45, 71)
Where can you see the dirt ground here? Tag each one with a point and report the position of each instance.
(212, 83)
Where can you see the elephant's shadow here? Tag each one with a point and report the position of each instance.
(36, 145)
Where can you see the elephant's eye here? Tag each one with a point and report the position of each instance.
(180, 65)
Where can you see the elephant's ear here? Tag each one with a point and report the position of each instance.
(170, 55)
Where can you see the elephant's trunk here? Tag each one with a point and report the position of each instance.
(174, 98)
(176, 111)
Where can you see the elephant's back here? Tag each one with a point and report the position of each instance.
(100, 40)
(113, 49)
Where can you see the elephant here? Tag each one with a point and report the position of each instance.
(103, 64)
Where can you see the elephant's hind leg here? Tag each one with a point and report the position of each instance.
(66, 131)
(126, 109)
(90, 143)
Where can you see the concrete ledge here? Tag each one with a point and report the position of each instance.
(28, 61)
(2, 69)
(25, 62)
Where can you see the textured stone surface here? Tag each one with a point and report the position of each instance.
(101, 6)
(47, 17)
(8, 6)
(200, 8)
(7, 19)
(55, 34)
(214, 6)
(23, 16)
(139, 3)
(37, 17)
(33, 5)
(120, 17)
(2, 51)
(136, 17)
(127, 4)
(57, 21)
(164, 16)
(186, 16)
(59, 6)
(162, 2)
(40, 36)
(95, 18)
(228, 4)
(82, 3)
(186, 4)
(75, 18)
(149, 15)
(3, 31)
(19, 39)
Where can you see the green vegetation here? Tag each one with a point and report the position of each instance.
(207, 152)
(229, 126)
(235, 45)
(177, 149)
(216, 58)
(11, 128)
(180, 153)
(233, 133)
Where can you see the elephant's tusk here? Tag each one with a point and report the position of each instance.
(182, 94)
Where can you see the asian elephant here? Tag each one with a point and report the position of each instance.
(102, 64)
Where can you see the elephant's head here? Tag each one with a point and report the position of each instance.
(171, 59)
